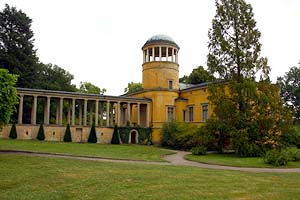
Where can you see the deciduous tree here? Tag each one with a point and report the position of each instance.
(132, 87)
(198, 75)
(87, 87)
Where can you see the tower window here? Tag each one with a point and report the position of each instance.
(191, 114)
(170, 113)
(170, 84)
(204, 112)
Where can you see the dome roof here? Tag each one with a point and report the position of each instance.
(161, 39)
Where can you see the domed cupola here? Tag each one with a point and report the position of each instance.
(160, 63)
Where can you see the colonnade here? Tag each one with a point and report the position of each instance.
(103, 110)
(160, 53)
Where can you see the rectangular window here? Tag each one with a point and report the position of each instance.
(191, 114)
(204, 112)
(170, 85)
(184, 114)
(170, 113)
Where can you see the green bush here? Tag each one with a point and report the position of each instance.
(92, 137)
(67, 136)
(276, 157)
(199, 150)
(13, 132)
(41, 134)
(115, 136)
(294, 153)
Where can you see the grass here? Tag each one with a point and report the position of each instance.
(132, 152)
(234, 160)
(26, 177)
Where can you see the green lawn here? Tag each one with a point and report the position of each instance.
(233, 160)
(133, 152)
(27, 177)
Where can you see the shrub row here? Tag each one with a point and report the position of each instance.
(282, 157)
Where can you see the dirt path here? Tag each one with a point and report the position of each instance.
(176, 159)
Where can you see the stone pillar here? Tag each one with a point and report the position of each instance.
(167, 53)
(96, 112)
(153, 53)
(61, 106)
(144, 56)
(91, 115)
(148, 115)
(119, 113)
(107, 113)
(128, 113)
(101, 113)
(172, 58)
(57, 113)
(176, 56)
(148, 56)
(84, 112)
(138, 114)
(33, 110)
(160, 53)
(69, 115)
(20, 114)
(80, 113)
(73, 111)
(47, 111)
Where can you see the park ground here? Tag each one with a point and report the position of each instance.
(32, 177)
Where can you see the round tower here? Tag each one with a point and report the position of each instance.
(160, 63)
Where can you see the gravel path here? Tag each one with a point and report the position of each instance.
(176, 159)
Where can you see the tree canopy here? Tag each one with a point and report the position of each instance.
(87, 87)
(17, 52)
(247, 113)
(290, 89)
(132, 87)
(8, 96)
(197, 76)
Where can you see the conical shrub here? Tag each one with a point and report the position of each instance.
(115, 136)
(41, 134)
(92, 137)
(13, 132)
(68, 137)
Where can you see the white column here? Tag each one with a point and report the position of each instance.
(138, 114)
(61, 107)
(160, 53)
(84, 112)
(119, 113)
(167, 53)
(128, 113)
(20, 115)
(153, 53)
(107, 113)
(33, 111)
(48, 111)
(73, 112)
(148, 115)
(144, 56)
(96, 112)
(148, 56)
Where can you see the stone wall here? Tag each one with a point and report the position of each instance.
(56, 133)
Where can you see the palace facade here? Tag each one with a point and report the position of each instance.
(161, 100)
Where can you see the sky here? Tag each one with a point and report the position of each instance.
(99, 41)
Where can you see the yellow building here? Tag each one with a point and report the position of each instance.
(162, 99)
(170, 100)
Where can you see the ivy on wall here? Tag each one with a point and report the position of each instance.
(144, 134)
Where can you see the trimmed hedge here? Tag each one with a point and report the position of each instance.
(67, 136)
(13, 132)
(41, 133)
(115, 136)
(93, 136)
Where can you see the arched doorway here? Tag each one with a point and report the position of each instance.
(133, 137)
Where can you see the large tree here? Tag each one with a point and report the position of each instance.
(87, 87)
(241, 103)
(132, 87)
(198, 75)
(17, 52)
(290, 90)
(53, 77)
(8, 96)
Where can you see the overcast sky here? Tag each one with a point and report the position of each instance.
(100, 41)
